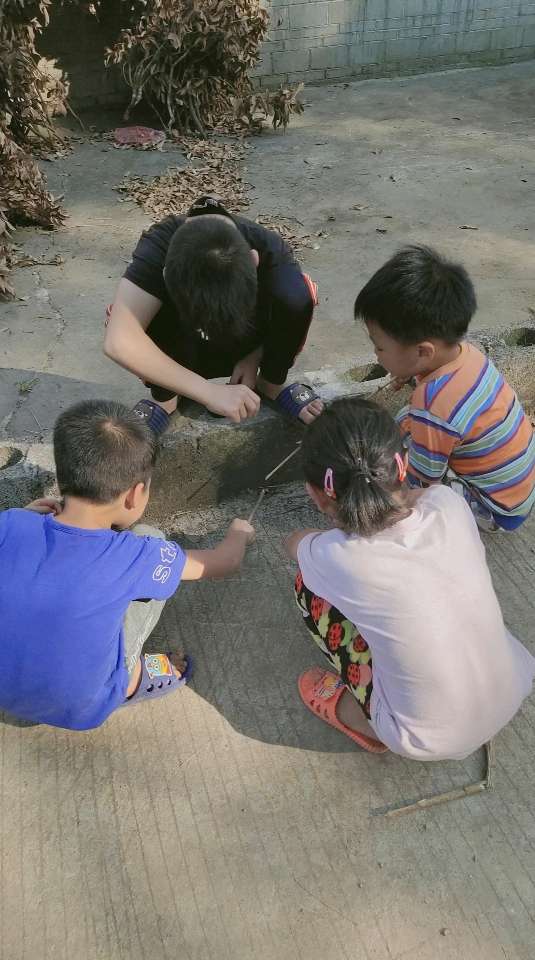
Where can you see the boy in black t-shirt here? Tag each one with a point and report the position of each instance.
(211, 295)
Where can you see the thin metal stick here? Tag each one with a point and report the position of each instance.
(281, 464)
(256, 506)
(40, 425)
(479, 786)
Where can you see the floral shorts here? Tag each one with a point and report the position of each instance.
(340, 641)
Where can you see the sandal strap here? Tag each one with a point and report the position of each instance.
(295, 397)
(153, 415)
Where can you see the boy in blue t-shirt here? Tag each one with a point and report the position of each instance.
(78, 600)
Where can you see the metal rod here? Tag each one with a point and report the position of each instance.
(281, 464)
(256, 506)
(479, 786)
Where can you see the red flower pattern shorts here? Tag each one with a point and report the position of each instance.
(340, 641)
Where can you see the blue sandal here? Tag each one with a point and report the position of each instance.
(158, 678)
(153, 415)
(294, 398)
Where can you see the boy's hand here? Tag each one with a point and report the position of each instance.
(397, 383)
(244, 527)
(246, 369)
(223, 560)
(235, 401)
(46, 505)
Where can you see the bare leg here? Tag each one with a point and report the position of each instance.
(178, 663)
(168, 405)
(272, 390)
(351, 715)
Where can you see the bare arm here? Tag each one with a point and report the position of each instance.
(222, 560)
(292, 542)
(127, 343)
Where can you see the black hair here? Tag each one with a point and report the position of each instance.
(211, 277)
(358, 441)
(417, 295)
(102, 449)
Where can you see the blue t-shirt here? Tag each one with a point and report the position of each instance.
(63, 594)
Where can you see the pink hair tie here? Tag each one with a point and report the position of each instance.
(328, 483)
(402, 469)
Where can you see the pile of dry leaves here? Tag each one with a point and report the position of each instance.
(31, 93)
(213, 168)
(188, 59)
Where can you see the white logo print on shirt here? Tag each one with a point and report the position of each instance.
(168, 555)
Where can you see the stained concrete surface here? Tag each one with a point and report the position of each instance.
(227, 822)
(416, 159)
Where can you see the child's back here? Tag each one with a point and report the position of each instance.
(447, 675)
(399, 598)
(63, 596)
(465, 416)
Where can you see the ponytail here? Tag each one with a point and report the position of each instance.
(353, 452)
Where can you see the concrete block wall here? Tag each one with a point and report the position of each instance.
(78, 41)
(315, 40)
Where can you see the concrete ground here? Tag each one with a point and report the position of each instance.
(417, 158)
(226, 821)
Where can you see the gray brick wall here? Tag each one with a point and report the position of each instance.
(316, 40)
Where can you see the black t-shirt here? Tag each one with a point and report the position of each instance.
(283, 309)
(148, 260)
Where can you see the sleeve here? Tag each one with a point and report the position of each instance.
(148, 258)
(306, 558)
(159, 567)
(430, 443)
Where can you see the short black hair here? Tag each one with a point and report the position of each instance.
(211, 277)
(102, 449)
(417, 295)
(358, 440)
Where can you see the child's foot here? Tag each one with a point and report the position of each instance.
(153, 414)
(327, 697)
(158, 674)
(307, 413)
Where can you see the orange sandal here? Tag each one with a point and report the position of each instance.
(320, 691)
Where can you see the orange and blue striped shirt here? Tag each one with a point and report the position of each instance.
(465, 417)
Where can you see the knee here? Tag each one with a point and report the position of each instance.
(293, 296)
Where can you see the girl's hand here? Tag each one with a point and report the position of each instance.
(46, 505)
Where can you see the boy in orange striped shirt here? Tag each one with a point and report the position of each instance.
(463, 417)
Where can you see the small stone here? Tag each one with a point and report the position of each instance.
(444, 932)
